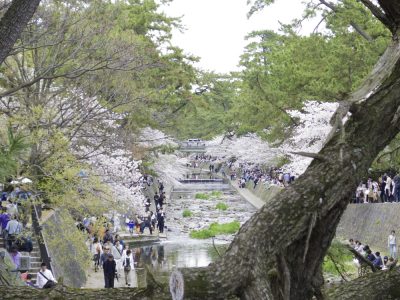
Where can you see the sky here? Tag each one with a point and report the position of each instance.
(216, 29)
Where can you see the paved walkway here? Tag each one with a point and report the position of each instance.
(249, 196)
(95, 280)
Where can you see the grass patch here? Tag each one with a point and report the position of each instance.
(187, 213)
(202, 196)
(215, 229)
(221, 206)
(216, 194)
(208, 196)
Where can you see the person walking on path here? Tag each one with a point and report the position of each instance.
(161, 220)
(16, 257)
(96, 252)
(129, 265)
(392, 244)
(109, 268)
(156, 199)
(105, 254)
(13, 228)
(4, 219)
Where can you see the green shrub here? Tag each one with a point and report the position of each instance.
(201, 234)
(186, 213)
(203, 196)
(215, 229)
(339, 260)
(216, 194)
(221, 206)
(282, 160)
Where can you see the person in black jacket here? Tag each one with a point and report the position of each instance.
(160, 220)
(109, 271)
(156, 199)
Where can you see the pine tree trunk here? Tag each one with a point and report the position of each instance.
(13, 23)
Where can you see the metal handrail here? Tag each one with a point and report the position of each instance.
(37, 228)
(217, 180)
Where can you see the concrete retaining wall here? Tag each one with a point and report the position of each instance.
(370, 223)
(262, 192)
(66, 244)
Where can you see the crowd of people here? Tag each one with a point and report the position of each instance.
(111, 254)
(385, 263)
(109, 251)
(17, 237)
(254, 173)
(385, 189)
(243, 172)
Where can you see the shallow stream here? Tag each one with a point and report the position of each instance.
(161, 259)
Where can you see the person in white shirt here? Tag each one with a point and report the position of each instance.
(119, 247)
(359, 247)
(126, 248)
(43, 276)
(392, 244)
(388, 187)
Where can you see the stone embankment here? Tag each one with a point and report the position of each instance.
(370, 223)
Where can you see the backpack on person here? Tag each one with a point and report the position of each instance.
(127, 266)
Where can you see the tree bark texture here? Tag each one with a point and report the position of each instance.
(21, 293)
(381, 285)
(13, 23)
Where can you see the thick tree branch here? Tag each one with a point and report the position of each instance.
(378, 285)
(355, 26)
(379, 14)
(13, 23)
(391, 9)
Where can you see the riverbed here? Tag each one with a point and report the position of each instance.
(178, 250)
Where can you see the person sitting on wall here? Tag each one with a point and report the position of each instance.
(385, 261)
(391, 263)
(45, 279)
(378, 260)
(370, 256)
(29, 282)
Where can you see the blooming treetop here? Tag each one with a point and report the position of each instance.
(308, 136)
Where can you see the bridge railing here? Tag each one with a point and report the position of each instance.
(217, 180)
(192, 145)
(37, 228)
